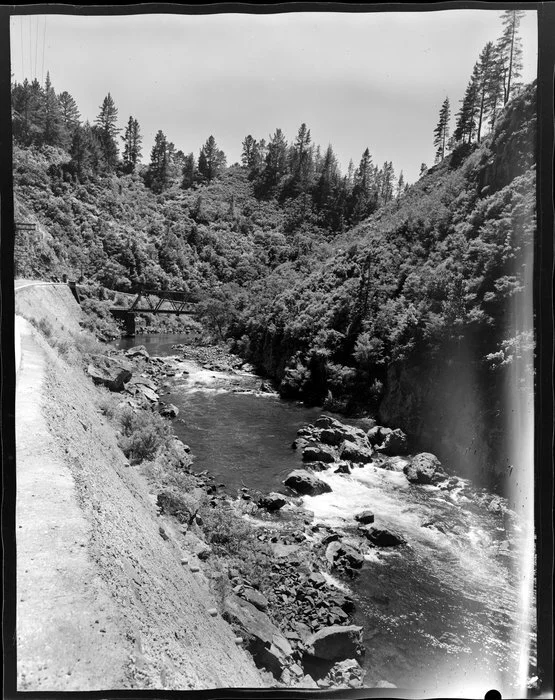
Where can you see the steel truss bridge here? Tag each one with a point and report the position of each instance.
(156, 301)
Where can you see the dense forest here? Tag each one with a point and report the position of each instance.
(357, 291)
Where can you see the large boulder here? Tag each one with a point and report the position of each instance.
(425, 468)
(376, 435)
(267, 645)
(272, 502)
(394, 443)
(382, 538)
(168, 410)
(336, 642)
(142, 381)
(343, 555)
(137, 351)
(319, 453)
(326, 422)
(365, 517)
(110, 372)
(143, 387)
(333, 432)
(305, 482)
(256, 598)
(331, 436)
(354, 452)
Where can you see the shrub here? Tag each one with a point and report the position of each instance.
(107, 404)
(225, 530)
(44, 326)
(182, 506)
(220, 585)
(143, 434)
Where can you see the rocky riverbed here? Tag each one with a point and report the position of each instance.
(297, 613)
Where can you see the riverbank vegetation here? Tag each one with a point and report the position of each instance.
(356, 291)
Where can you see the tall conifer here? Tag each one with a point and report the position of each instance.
(441, 132)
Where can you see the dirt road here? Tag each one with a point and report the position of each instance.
(63, 641)
(103, 600)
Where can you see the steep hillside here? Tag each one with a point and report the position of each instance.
(117, 232)
(106, 601)
(413, 315)
(386, 318)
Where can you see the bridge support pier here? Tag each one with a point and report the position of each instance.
(130, 327)
(127, 319)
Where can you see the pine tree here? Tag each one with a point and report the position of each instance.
(328, 180)
(275, 165)
(387, 182)
(466, 117)
(248, 155)
(158, 173)
(441, 132)
(301, 160)
(350, 173)
(364, 197)
(85, 152)
(188, 172)
(495, 87)
(510, 50)
(400, 185)
(486, 77)
(69, 115)
(107, 131)
(26, 112)
(211, 160)
(132, 140)
(51, 116)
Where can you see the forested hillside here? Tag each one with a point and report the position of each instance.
(413, 307)
(356, 291)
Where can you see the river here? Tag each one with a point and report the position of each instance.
(441, 616)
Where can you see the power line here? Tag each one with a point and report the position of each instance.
(22, 50)
(36, 44)
(43, 45)
(30, 47)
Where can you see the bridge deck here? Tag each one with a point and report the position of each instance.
(154, 301)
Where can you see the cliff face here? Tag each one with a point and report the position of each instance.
(122, 611)
(447, 409)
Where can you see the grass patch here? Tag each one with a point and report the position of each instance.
(75, 348)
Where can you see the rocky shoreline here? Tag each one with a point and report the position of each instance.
(291, 611)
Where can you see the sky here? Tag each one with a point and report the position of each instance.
(371, 79)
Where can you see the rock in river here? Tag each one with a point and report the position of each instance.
(376, 435)
(382, 538)
(365, 517)
(336, 642)
(306, 483)
(395, 443)
(343, 555)
(168, 410)
(137, 351)
(356, 453)
(272, 502)
(425, 468)
(319, 453)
